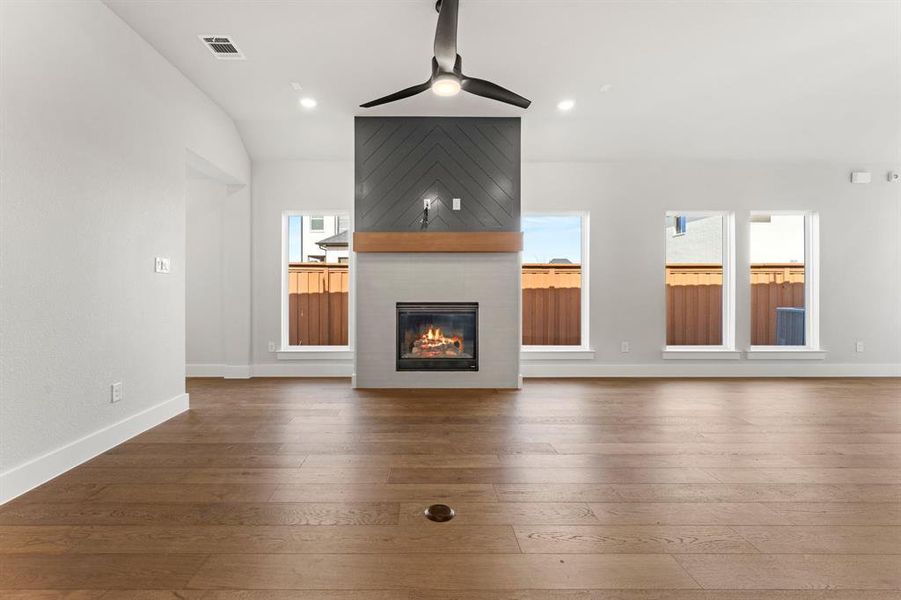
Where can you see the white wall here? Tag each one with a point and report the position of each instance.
(204, 265)
(860, 255)
(95, 130)
(860, 273)
(779, 240)
(701, 243)
(278, 186)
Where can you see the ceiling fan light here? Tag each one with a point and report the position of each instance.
(446, 85)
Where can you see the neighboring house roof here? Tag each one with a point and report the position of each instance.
(560, 261)
(338, 240)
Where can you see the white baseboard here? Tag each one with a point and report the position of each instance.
(209, 370)
(566, 369)
(237, 372)
(721, 369)
(306, 369)
(27, 476)
(218, 370)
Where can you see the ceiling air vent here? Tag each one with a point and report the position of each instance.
(222, 47)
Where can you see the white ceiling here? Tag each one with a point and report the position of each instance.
(742, 80)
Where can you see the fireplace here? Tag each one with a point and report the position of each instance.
(437, 336)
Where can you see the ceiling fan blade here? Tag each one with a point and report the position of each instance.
(486, 89)
(410, 91)
(446, 35)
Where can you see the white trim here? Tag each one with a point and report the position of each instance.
(18, 480)
(351, 294)
(687, 369)
(204, 370)
(555, 353)
(784, 353)
(699, 353)
(728, 264)
(316, 353)
(218, 370)
(585, 273)
(307, 368)
(237, 372)
(811, 284)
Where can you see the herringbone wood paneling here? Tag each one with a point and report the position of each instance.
(402, 160)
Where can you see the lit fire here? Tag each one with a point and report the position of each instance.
(434, 343)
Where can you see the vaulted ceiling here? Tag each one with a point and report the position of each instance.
(747, 80)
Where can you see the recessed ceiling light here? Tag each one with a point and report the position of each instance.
(296, 86)
(308, 102)
(566, 105)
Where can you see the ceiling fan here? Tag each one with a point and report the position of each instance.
(447, 76)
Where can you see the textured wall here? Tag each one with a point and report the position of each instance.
(93, 189)
(204, 324)
(402, 160)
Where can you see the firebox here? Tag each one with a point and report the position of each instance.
(437, 336)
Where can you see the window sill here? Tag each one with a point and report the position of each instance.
(316, 353)
(699, 353)
(528, 353)
(784, 353)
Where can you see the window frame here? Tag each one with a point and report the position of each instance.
(811, 283)
(285, 349)
(727, 348)
(585, 306)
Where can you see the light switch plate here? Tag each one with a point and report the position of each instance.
(162, 264)
(456, 204)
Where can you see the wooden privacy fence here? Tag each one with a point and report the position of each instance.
(552, 298)
(551, 305)
(774, 285)
(317, 304)
(694, 305)
(694, 301)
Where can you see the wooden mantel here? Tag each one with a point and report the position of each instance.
(438, 241)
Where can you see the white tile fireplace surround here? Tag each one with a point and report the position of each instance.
(384, 279)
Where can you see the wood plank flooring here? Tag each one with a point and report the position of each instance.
(271, 489)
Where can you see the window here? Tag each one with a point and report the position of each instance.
(782, 299)
(554, 280)
(699, 280)
(316, 281)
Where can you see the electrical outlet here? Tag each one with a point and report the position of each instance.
(115, 392)
(859, 346)
(162, 264)
(624, 347)
(271, 346)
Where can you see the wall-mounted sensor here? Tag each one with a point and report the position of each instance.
(861, 177)
(894, 176)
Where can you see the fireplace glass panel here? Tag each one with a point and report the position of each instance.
(437, 336)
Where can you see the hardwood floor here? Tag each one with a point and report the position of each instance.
(566, 490)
